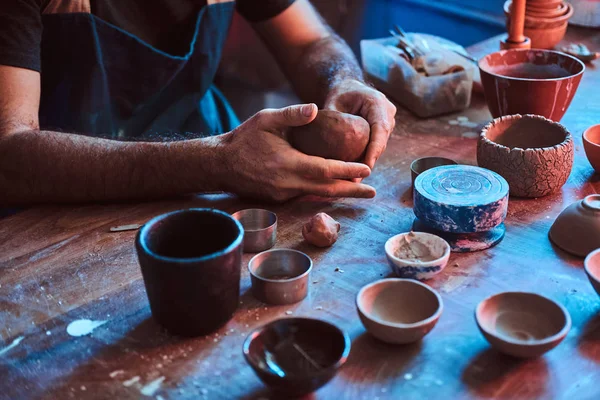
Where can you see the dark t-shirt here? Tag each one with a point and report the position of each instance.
(165, 24)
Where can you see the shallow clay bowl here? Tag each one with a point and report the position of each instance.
(521, 324)
(522, 81)
(417, 255)
(577, 229)
(533, 154)
(296, 356)
(592, 269)
(398, 311)
(591, 144)
(547, 21)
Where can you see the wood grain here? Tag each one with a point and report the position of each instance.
(60, 264)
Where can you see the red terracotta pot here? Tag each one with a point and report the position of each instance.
(547, 12)
(546, 38)
(522, 81)
(543, 3)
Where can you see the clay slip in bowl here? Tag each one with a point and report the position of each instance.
(591, 144)
(577, 229)
(521, 81)
(398, 311)
(592, 269)
(533, 154)
(417, 255)
(521, 324)
(295, 356)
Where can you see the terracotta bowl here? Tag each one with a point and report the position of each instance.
(546, 38)
(523, 325)
(296, 356)
(533, 154)
(522, 81)
(577, 229)
(591, 144)
(417, 255)
(398, 311)
(546, 12)
(592, 269)
(543, 3)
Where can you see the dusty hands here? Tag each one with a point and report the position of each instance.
(354, 97)
(256, 161)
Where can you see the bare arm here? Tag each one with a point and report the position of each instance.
(43, 166)
(323, 69)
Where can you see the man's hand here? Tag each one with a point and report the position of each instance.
(257, 161)
(354, 97)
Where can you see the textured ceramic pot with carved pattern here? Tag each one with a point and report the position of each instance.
(533, 153)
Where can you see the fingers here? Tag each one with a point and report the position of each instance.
(277, 119)
(320, 168)
(377, 145)
(338, 189)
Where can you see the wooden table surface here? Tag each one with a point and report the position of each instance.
(60, 264)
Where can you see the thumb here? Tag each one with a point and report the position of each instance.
(281, 118)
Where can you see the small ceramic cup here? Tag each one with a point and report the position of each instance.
(417, 255)
(280, 276)
(296, 356)
(190, 261)
(592, 269)
(260, 229)
(421, 165)
(521, 324)
(398, 311)
(591, 144)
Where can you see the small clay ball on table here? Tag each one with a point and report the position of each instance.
(321, 230)
(332, 135)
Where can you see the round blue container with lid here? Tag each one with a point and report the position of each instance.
(460, 199)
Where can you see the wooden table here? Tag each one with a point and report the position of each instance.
(60, 264)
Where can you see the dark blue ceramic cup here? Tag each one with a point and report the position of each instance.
(191, 263)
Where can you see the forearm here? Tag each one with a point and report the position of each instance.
(59, 167)
(321, 66)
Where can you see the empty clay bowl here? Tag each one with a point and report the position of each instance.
(533, 154)
(421, 165)
(260, 229)
(280, 276)
(592, 269)
(296, 356)
(417, 255)
(577, 228)
(522, 324)
(591, 144)
(522, 81)
(398, 311)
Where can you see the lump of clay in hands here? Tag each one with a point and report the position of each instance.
(333, 135)
(321, 230)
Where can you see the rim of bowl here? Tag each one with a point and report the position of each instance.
(257, 331)
(302, 275)
(446, 253)
(585, 133)
(586, 263)
(436, 315)
(143, 234)
(560, 53)
(256, 209)
(568, 137)
(449, 160)
(562, 333)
